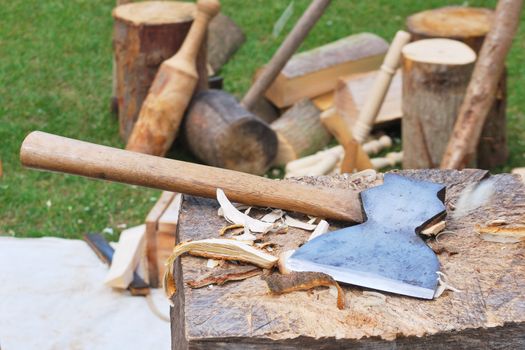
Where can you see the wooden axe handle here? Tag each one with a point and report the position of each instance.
(285, 51)
(56, 153)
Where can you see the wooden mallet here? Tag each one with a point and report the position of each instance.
(171, 91)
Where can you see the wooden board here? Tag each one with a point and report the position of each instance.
(489, 313)
(352, 91)
(315, 72)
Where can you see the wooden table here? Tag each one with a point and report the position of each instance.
(488, 313)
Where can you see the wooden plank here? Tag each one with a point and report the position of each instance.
(351, 92)
(315, 72)
(167, 222)
(489, 313)
(151, 236)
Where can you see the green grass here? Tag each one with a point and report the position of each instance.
(55, 75)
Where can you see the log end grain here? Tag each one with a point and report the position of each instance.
(155, 12)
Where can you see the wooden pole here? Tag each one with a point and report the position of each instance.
(368, 113)
(469, 25)
(146, 34)
(435, 75)
(482, 88)
(162, 111)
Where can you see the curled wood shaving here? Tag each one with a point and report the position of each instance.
(298, 224)
(502, 234)
(234, 273)
(443, 285)
(434, 229)
(320, 229)
(273, 216)
(224, 249)
(225, 229)
(296, 281)
(233, 215)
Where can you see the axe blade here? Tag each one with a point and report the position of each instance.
(385, 252)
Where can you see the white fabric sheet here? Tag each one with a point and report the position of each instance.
(52, 296)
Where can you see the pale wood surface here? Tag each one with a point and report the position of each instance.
(488, 314)
(146, 34)
(432, 94)
(162, 111)
(300, 132)
(315, 72)
(376, 95)
(221, 133)
(169, 219)
(481, 91)
(50, 152)
(469, 25)
(351, 92)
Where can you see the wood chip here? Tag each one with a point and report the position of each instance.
(224, 249)
(434, 229)
(297, 281)
(233, 215)
(321, 228)
(273, 216)
(231, 273)
(298, 224)
(502, 234)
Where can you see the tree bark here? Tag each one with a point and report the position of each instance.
(432, 93)
(469, 25)
(145, 35)
(223, 134)
(300, 132)
(482, 89)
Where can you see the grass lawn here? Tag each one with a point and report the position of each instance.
(55, 76)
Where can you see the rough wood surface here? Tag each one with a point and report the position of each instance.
(434, 84)
(482, 89)
(488, 314)
(146, 34)
(300, 132)
(315, 72)
(223, 134)
(469, 25)
(224, 39)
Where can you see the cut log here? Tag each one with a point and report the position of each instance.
(469, 25)
(300, 132)
(482, 89)
(223, 134)
(436, 73)
(145, 35)
(127, 257)
(351, 91)
(489, 314)
(315, 72)
(224, 39)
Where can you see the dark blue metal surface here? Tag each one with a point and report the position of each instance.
(384, 252)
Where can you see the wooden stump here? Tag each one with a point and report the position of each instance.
(223, 134)
(469, 25)
(436, 73)
(146, 34)
(300, 132)
(489, 313)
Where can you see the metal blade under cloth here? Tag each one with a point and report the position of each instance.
(385, 252)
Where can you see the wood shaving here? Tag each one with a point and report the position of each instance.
(273, 216)
(225, 229)
(234, 216)
(496, 222)
(224, 249)
(502, 234)
(443, 285)
(321, 228)
(298, 224)
(434, 229)
(303, 281)
(281, 263)
(212, 263)
(232, 273)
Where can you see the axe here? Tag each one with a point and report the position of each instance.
(383, 253)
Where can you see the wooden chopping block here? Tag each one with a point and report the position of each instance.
(144, 35)
(487, 314)
(171, 91)
(470, 25)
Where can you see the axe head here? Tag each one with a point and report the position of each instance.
(385, 252)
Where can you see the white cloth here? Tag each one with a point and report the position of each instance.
(52, 296)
